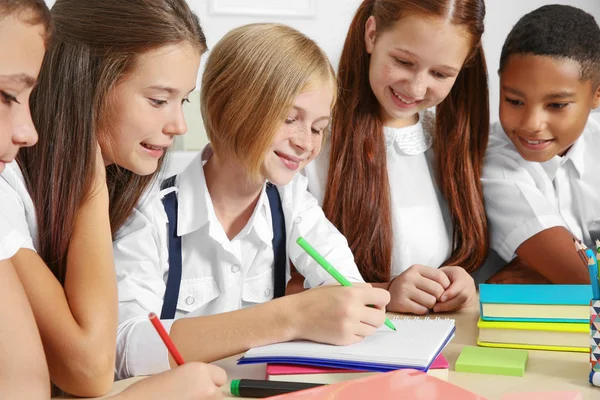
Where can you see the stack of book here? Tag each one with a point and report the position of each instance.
(415, 344)
(537, 317)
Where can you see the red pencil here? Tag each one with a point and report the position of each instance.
(160, 329)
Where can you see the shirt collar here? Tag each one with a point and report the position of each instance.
(195, 208)
(575, 155)
(260, 221)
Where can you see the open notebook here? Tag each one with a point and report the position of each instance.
(415, 344)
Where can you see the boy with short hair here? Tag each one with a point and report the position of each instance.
(541, 178)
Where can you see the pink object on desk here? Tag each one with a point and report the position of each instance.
(296, 369)
(572, 395)
(401, 384)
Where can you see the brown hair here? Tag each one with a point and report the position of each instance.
(270, 64)
(96, 44)
(357, 198)
(39, 9)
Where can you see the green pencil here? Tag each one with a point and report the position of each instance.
(331, 270)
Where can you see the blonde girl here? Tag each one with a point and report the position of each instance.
(267, 94)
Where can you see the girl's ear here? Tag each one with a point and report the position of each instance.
(370, 34)
(596, 102)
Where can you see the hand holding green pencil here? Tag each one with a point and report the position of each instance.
(331, 270)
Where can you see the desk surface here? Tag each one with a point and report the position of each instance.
(546, 370)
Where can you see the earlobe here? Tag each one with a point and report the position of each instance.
(370, 34)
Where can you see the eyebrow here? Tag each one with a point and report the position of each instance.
(551, 96)
(447, 67)
(25, 79)
(168, 89)
(316, 120)
(513, 91)
(559, 95)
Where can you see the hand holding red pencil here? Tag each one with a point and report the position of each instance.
(192, 381)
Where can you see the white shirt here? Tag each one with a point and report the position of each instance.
(218, 275)
(10, 239)
(421, 222)
(524, 198)
(17, 214)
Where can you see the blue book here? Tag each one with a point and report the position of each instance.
(535, 303)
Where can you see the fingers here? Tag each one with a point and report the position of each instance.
(434, 274)
(431, 287)
(217, 374)
(363, 330)
(422, 298)
(462, 282)
(372, 317)
(453, 291)
(411, 306)
(456, 296)
(378, 298)
(453, 304)
(409, 299)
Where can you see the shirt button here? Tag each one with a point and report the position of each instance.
(267, 292)
(190, 300)
(298, 220)
(235, 268)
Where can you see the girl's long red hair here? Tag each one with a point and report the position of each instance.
(357, 198)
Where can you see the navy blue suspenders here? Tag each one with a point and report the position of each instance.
(175, 262)
(279, 241)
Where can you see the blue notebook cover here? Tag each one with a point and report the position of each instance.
(535, 294)
(363, 366)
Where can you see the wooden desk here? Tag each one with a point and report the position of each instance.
(546, 370)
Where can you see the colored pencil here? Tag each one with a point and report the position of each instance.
(160, 329)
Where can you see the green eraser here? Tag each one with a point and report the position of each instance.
(494, 361)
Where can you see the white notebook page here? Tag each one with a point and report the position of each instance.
(415, 343)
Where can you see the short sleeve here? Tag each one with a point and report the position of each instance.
(13, 213)
(10, 240)
(516, 206)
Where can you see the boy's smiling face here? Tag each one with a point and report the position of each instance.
(544, 104)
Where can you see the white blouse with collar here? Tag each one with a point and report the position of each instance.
(218, 274)
(421, 221)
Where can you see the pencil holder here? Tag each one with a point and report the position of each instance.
(595, 342)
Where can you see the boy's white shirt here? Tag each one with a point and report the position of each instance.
(17, 215)
(218, 275)
(523, 198)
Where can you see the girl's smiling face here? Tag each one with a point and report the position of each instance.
(414, 65)
(300, 137)
(145, 111)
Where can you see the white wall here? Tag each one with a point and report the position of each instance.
(329, 26)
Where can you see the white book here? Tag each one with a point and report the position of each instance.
(415, 344)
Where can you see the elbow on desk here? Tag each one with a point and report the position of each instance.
(91, 376)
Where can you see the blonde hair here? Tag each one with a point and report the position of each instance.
(250, 83)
